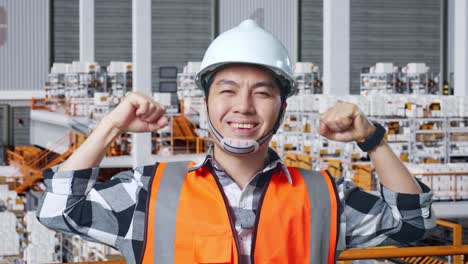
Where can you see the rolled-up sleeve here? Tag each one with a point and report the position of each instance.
(393, 218)
(74, 203)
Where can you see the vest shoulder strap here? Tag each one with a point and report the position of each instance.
(323, 197)
(166, 186)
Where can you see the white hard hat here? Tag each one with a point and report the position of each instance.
(248, 43)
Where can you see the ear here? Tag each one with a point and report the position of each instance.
(206, 103)
(284, 106)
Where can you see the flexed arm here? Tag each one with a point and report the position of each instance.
(403, 212)
(345, 122)
(136, 113)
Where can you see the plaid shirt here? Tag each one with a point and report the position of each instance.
(114, 212)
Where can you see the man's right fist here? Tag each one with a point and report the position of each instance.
(137, 113)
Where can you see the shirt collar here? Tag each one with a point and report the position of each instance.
(273, 161)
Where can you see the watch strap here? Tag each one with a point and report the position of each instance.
(374, 140)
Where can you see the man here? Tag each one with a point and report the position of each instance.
(241, 204)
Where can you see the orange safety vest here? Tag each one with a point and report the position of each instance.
(189, 219)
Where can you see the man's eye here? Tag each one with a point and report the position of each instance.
(226, 91)
(263, 93)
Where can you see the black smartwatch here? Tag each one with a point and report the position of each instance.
(374, 139)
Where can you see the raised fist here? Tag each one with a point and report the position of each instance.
(345, 122)
(137, 113)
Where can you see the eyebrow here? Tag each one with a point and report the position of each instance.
(256, 85)
(264, 84)
(228, 82)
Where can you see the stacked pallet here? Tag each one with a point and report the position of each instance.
(363, 176)
(9, 198)
(298, 160)
(41, 241)
(10, 245)
(447, 181)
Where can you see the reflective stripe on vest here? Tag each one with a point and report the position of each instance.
(188, 220)
(319, 186)
(164, 198)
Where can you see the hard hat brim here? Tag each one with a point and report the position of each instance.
(288, 87)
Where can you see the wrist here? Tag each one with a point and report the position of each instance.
(374, 139)
(369, 132)
(378, 146)
(107, 131)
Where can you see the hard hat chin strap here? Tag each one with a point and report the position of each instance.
(245, 146)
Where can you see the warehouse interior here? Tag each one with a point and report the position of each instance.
(65, 64)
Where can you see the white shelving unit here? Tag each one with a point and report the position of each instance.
(385, 78)
(378, 83)
(458, 139)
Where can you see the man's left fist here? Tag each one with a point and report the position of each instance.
(345, 122)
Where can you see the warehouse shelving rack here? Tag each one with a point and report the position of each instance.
(309, 82)
(457, 130)
(405, 136)
(300, 145)
(378, 83)
(415, 83)
(429, 134)
(396, 136)
(294, 139)
(444, 140)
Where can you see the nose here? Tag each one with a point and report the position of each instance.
(243, 103)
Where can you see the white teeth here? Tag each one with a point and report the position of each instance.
(239, 125)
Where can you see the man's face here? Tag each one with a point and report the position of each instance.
(244, 102)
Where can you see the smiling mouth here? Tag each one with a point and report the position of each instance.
(242, 125)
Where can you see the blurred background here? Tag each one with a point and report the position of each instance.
(64, 64)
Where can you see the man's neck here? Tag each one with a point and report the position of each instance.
(241, 168)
